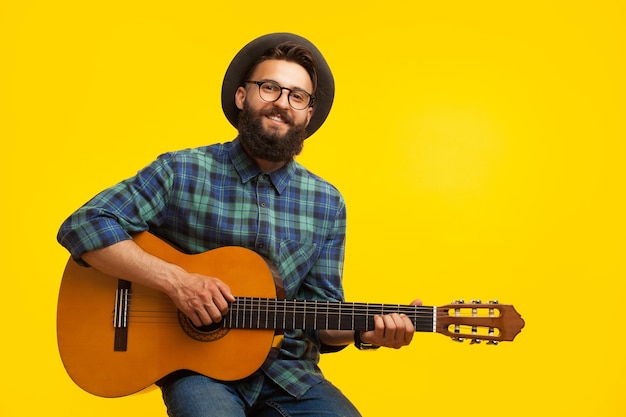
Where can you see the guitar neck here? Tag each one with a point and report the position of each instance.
(270, 313)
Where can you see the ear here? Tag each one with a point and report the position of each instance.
(309, 115)
(240, 96)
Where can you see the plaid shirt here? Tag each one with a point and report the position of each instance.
(212, 196)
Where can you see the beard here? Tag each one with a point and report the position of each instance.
(269, 145)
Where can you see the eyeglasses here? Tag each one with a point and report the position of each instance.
(270, 91)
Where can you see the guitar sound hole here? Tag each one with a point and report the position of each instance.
(201, 333)
(207, 329)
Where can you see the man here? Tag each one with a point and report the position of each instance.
(250, 192)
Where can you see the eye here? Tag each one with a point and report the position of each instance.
(299, 96)
(270, 87)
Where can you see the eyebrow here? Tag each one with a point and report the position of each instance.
(294, 88)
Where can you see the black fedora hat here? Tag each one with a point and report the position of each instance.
(248, 55)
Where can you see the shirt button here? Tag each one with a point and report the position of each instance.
(263, 204)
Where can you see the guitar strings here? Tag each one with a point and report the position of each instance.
(156, 307)
(271, 304)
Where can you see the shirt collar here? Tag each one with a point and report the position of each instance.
(248, 169)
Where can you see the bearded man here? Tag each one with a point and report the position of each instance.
(248, 192)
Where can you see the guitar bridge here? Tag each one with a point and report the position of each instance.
(120, 316)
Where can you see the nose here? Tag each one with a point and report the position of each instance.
(283, 100)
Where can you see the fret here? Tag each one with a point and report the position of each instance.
(251, 308)
(352, 317)
(231, 311)
(326, 315)
(433, 320)
(258, 317)
(237, 316)
(339, 318)
(275, 313)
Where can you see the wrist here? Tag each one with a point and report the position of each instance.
(362, 345)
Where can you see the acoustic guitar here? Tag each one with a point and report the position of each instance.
(116, 338)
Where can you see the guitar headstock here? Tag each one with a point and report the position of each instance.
(475, 321)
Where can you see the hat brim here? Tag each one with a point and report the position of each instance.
(247, 56)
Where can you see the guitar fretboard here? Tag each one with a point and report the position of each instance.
(270, 313)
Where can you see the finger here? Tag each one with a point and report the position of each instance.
(195, 319)
(196, 311)
(225, 290)
(399, 330)
(379, 326)
(375, 336)
(200, 318)
(409, 330)
(214, 312)
(221, 296)
(203, 312)
(390, 327)
(409, 326)
(221, 305)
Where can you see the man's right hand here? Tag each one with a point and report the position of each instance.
(203, 299)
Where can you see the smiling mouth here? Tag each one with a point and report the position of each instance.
(276, 118)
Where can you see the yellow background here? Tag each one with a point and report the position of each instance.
(480, 147)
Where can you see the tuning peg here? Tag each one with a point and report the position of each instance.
(492, 342)
(475, 342)
(494, 302)
(458, 339)
(476, 302)
(458, 302)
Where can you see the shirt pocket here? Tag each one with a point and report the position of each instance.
(295, 261)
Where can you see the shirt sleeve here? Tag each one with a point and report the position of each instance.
(111, 216)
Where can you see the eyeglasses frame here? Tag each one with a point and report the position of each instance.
(260, 83)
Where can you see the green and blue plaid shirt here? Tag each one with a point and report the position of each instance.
(212, 196)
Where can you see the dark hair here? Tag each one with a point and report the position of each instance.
(292, 52)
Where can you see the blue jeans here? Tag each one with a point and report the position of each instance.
(199, 396)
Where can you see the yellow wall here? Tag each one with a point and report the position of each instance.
(480, 147)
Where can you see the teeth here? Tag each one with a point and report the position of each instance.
(276, 117)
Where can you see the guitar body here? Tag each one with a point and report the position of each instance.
(156, 343)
